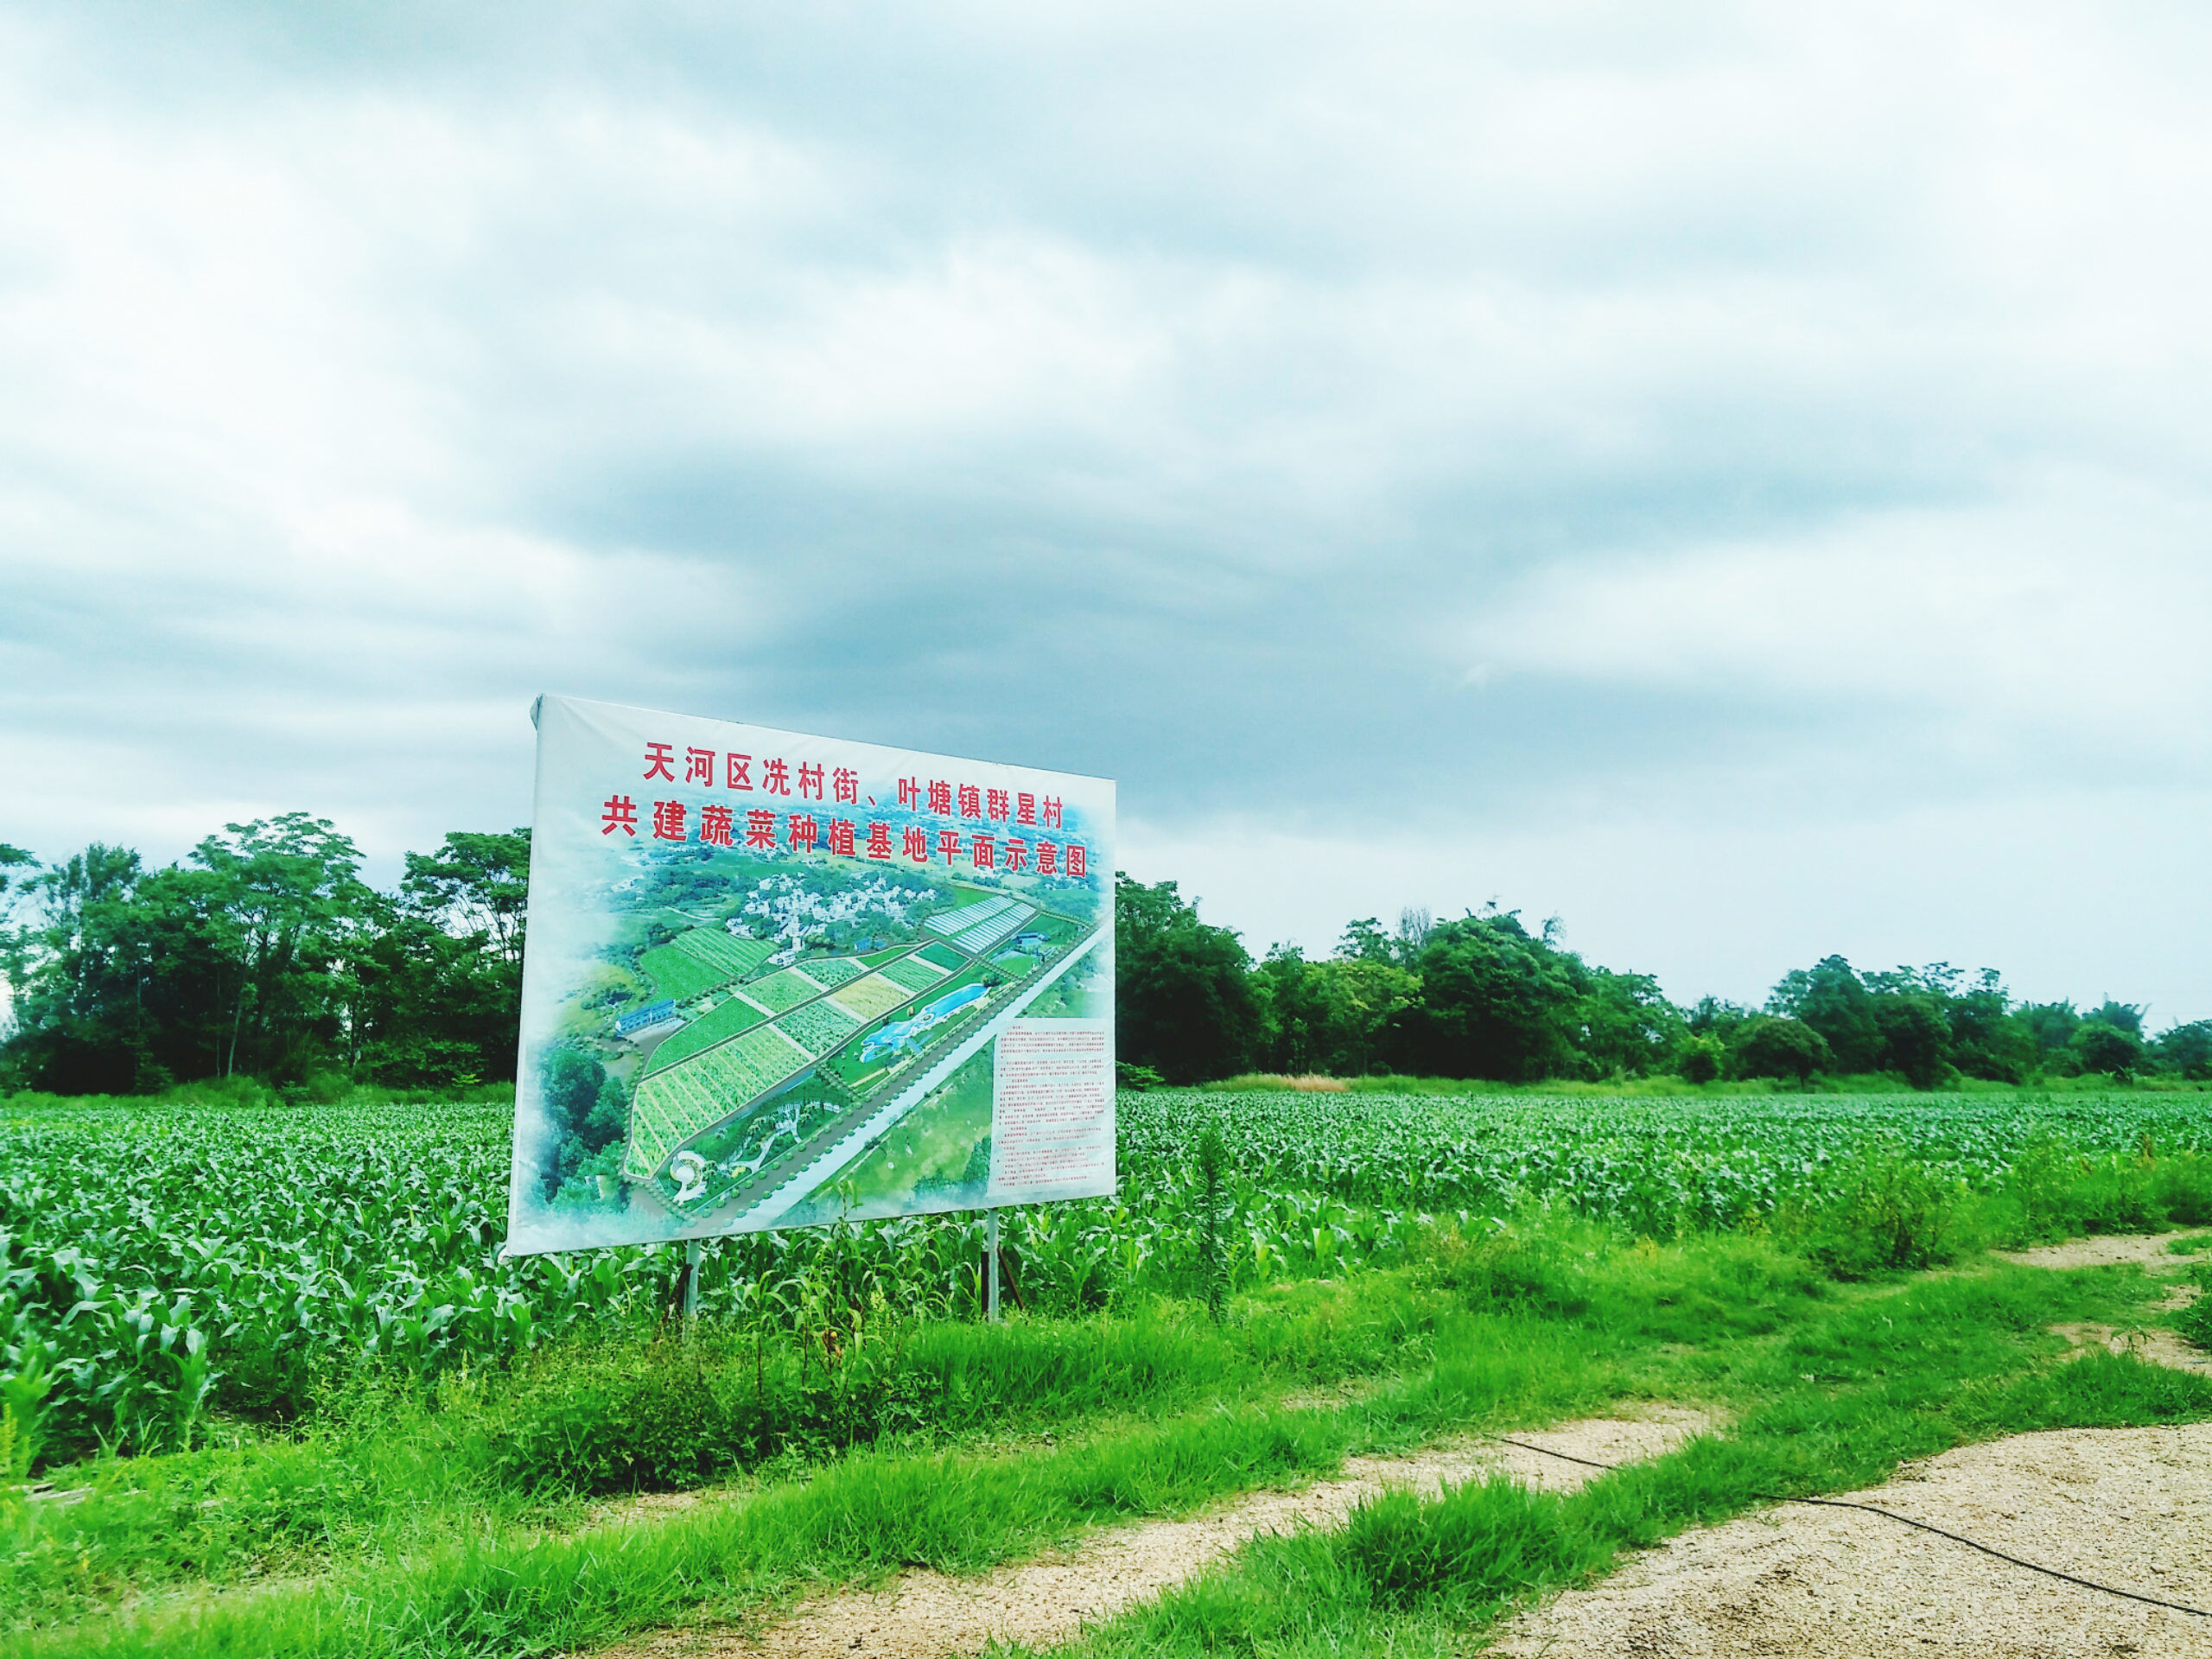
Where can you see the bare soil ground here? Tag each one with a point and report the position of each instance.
(2146, 1250)
(925, 1615)
(2129, 1507)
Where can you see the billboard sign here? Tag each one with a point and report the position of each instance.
(773, 980)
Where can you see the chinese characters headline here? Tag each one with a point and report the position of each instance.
(1016, 848)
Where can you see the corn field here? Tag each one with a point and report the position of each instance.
(161, 1261)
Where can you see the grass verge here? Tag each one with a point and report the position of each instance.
(1832, 1385)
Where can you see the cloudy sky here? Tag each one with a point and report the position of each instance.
(1733, 477)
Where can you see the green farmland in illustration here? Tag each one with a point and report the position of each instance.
(776, 1061)
(698, 962)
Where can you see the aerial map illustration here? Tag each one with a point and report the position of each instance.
(767, 972)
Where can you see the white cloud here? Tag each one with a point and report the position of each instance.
(1705, 430)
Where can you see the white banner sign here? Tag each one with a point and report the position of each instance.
(773, 980)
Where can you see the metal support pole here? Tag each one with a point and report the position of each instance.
(690, 1281)
(991, 1305)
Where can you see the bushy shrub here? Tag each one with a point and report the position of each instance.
(1888, 1212)
(1507, 1271)
(2195, 1321)
(1701, 1061)
(668, 1413)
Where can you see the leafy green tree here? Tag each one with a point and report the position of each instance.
(2107, 1049)
(1915, 1034)
(1282, 990)
(1721, 1021)
(1355, 1005)
(475, 884)
(13, 860)
(1988, 1038)
(1496, 1001)
(2120, 1016)
(2051, 1026)
(1625, 1026)
(1700, 1059)
(1365, 941)
(266, 954)
(586, 1112)
(1775, 1045)
(2187, 1050)
(1184, 1002)
(289, 896)
(437, 974)
(81, 1027)
(425, 1005)
(1830, 998)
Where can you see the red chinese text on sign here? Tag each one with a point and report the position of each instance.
(713, 826)
(668, 821)
(659, 760)
(621, 814)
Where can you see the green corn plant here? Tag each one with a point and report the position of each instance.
(1213, 1265)
(195, 1377)
(22, 1409)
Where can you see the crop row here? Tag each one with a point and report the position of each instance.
(819, 1027)
(727, 1018)
(158, 1261)
(1657, 1165)
(911, 973)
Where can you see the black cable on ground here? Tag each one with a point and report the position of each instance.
(1843, 1503)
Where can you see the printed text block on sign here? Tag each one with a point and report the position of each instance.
(1052, 1111)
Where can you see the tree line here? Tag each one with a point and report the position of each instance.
(1485, 997)
(264, 953)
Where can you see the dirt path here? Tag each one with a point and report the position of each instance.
(2127, 1507)
(2146, 1250)
(2130, 1507)
(925, 1615)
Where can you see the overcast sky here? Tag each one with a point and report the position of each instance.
(1735, 477)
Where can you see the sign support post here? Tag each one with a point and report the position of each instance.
(991, 1305)
(816, 942)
